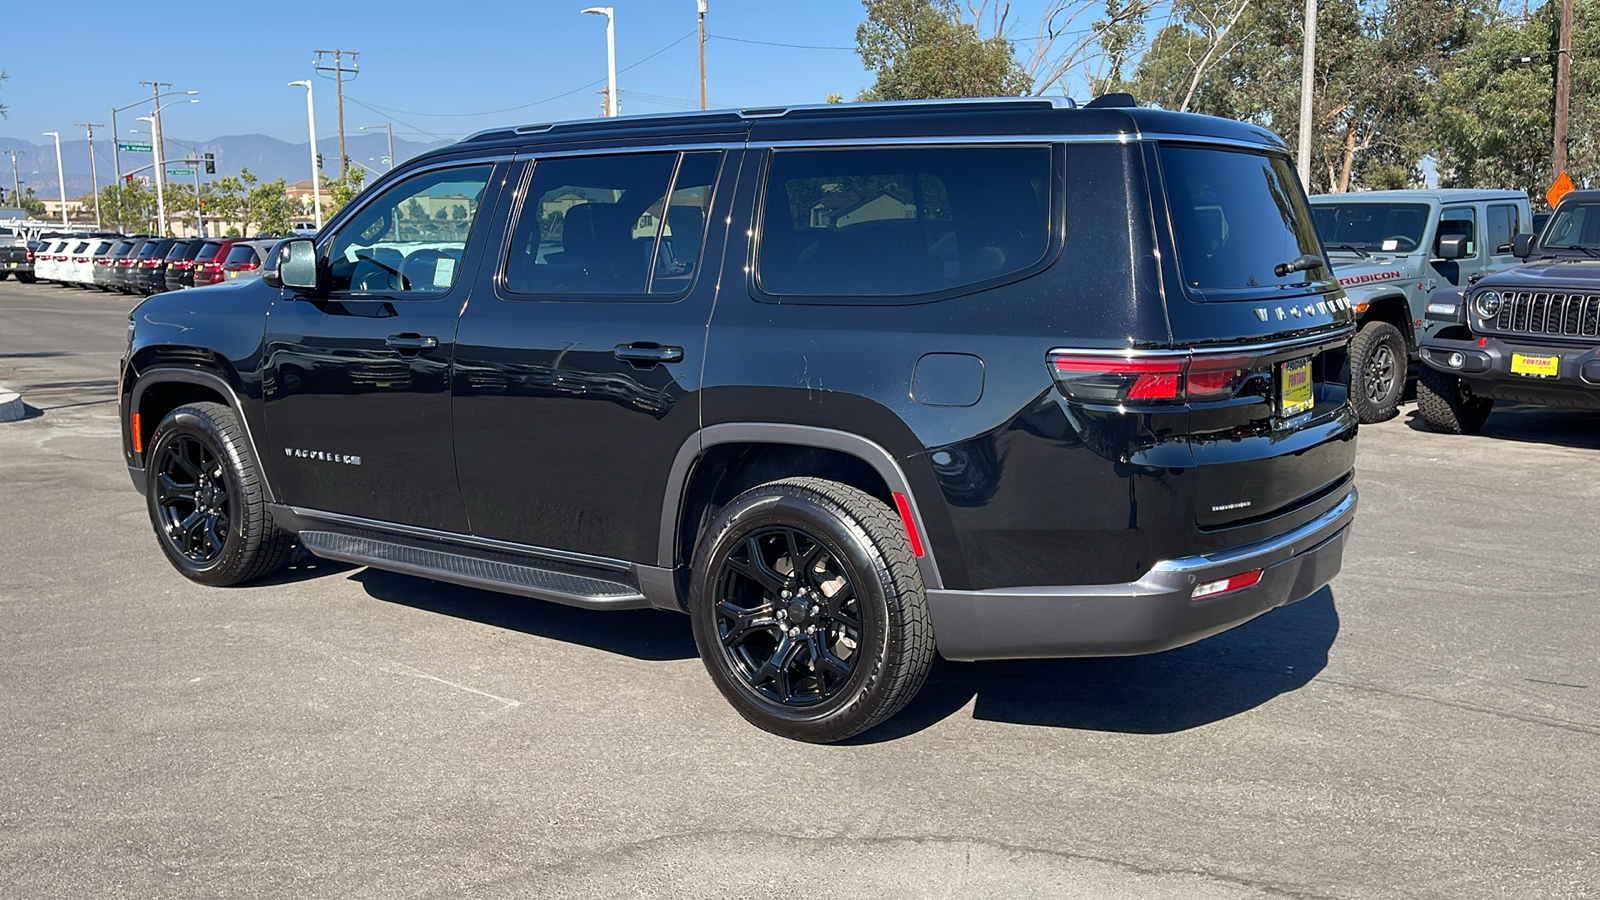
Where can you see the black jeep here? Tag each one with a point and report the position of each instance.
(845, 384)
(1527, 335)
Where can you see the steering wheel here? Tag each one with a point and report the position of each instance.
(1401, 241)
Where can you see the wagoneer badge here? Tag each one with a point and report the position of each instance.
(323, 455)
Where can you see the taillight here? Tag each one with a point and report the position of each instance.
(212, 267)
(1152, 378)
(243, 267)
(30, 256)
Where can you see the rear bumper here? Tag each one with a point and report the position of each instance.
(1152, 614)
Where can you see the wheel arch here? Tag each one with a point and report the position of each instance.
(1393, 308)
(161, 389)
(764, 449)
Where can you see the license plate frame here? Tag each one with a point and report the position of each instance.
(1529, 366)
(1294, 387)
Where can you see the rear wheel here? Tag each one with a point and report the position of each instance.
(1377, 372)
(204, 491)
(4, 275)
(1448, 405)
(809, 610)
(26, 277)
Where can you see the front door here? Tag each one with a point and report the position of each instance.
(578, 381)
(357, 380)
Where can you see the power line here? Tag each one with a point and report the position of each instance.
(493, 112)
(723, 37)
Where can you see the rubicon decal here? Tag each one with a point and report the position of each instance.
(323, 455)
(1369, 278)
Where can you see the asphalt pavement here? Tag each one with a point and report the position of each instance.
(1427, 727)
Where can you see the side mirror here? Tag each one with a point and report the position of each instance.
(1451, 246)
(297, 264)
(1522, 245)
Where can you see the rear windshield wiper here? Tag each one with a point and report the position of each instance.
(1298, 264)
(1352, 248)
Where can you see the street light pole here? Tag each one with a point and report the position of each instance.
(389, 127)
(61, 177)
(16, 180)
(702, 29)
(611, 57)
(1307, 74)
(94, 177)
(311, 123)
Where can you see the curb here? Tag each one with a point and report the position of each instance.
(11, 407)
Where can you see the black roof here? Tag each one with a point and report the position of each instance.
(1014, 116)
(1591, 196)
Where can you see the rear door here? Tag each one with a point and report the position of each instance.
(357, 381)
(576, 378)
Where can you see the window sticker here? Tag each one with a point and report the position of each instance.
(444, 272)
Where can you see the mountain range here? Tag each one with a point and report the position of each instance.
(264, 156)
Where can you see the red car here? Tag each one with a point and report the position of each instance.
(208, 265)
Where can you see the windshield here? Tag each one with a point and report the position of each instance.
(1371, 227)
(1573, 226)
(1237, 219)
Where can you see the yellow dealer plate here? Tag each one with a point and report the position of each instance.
(1536, 366)
(1294, 388)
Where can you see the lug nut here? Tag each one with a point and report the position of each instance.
(784, 594)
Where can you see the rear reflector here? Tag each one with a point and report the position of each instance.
(904, 508)
(1227, 585)
(138, 437)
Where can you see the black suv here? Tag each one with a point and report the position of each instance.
(1012, 379)
(1526, 335)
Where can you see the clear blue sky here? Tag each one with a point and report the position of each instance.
(418, 60)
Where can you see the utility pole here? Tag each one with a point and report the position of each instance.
(1558, 153)
(702, 29)
(339, 71)
(16, 180)
(160, 172)
(1307, 74)
(94, 177)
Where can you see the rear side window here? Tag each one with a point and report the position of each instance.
(1235, 217)
(627, 225)
(1505, 221)
(901, 222)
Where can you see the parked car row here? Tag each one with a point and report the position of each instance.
(142, 264)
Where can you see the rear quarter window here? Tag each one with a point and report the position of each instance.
(870, 225)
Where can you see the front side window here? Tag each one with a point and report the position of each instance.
(627, 225)
(1236, 217)
(1459, 223)
(901, 222)
(412, 237)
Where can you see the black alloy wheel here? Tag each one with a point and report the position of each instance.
(809, 610)
(206, 499)
(1378, 371)
(788, 618)
(192, 499)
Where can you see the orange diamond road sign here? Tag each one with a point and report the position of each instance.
(1561, 188)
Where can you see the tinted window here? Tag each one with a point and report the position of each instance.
(615, 225)
(1573, 225)
(239, 253)
(1235, 217)
(1462, 222)
(883, 223)
(208, 252)
(178, 250)
(1373, 227)
(412, 237)
(1504, 223)
(122, 248)
(81, 246)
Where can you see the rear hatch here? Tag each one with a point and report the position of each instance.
(1251, 390)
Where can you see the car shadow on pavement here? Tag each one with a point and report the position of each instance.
(648, 634)
(1185, 688)
(1528, 424)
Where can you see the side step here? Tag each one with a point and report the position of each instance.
(472, 571)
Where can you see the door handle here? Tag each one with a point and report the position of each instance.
(412, 342)
(648, 354)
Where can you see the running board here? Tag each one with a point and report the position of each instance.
(472, 571)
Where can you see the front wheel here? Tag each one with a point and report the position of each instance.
(1448, 405)
(809, 610)
(1377, 372)
(207, 505)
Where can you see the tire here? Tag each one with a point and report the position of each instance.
(4, 275)
(1377, 372)
(822, 670)
(26, 277)
(205, 498)
(1448, 405)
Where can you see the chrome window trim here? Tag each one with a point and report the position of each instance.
(1286, 344)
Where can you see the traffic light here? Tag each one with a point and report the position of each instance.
(211, 164)
(128, 179)
(319, 162)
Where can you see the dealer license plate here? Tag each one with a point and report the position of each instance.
(1294, 387)
(1536, 366)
